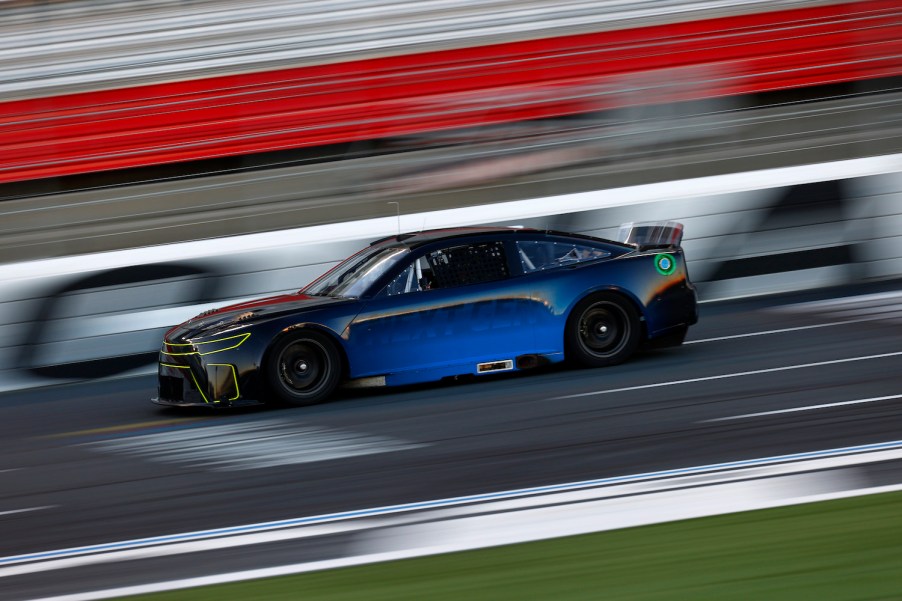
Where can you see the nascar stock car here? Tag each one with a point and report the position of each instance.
(435, 304)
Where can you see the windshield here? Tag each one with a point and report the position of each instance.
(353, 276)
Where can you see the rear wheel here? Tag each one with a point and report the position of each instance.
(603, 329)
(303, 368)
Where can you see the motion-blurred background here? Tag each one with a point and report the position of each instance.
(161, 157)
(150, 125)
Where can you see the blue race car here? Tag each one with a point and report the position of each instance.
(435, 304)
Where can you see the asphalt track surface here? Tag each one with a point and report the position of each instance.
(77, 466)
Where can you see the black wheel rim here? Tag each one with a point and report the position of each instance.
(303, 367)
(604, 329)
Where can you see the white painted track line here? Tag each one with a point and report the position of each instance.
(844, 302)
(806, 408)
(783, 330)
(730, 375)
(868, 450)
(27, 509)
(357, 560)
(445, 536)
(484, 511)
(443, 509)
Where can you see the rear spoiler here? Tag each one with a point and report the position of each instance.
(646, 235)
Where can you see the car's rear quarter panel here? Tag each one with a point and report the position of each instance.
(663, 301)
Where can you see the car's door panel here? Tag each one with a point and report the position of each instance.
(456, 323)
(482, 322)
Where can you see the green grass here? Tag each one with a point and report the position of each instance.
(844, 549)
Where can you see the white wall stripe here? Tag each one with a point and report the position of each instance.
(492, 213)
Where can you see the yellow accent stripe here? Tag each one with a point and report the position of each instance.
(234, 376)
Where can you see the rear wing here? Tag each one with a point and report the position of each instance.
(645, 235)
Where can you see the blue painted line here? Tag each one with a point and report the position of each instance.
(330, 517)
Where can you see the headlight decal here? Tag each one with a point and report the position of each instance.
(205, 348)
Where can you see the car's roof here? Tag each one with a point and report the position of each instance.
(415, 239)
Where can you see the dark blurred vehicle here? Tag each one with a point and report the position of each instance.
(420, 307)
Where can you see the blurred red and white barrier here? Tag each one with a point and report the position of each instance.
(463, 87)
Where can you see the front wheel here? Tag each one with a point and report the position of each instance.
(303, 368)
(603, 329)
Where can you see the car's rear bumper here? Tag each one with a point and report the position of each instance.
(693, 301)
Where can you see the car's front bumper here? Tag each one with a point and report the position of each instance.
(173, 403)
(180, 386)
(194, 376)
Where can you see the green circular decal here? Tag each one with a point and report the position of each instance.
(665, 264)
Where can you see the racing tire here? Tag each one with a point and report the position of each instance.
(603, 329)
(303, 368)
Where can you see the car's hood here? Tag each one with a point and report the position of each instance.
(213, 320)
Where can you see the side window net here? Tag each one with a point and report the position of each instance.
(468, 264)
(540, 255)
(418, 276)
